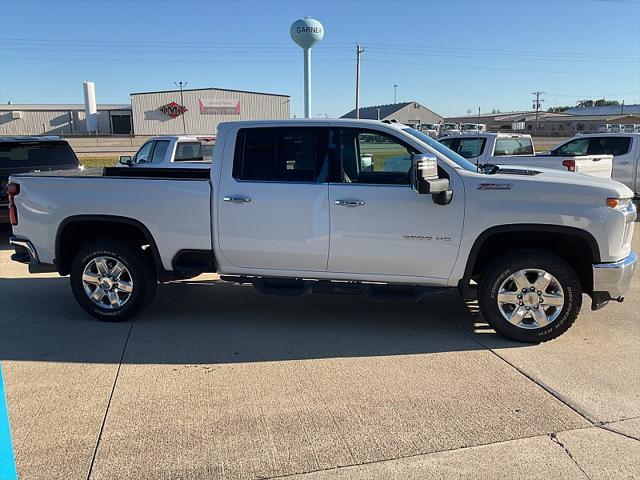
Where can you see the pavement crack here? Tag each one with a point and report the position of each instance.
(113, 389)
(555, 439)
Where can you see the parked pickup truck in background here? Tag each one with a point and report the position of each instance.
(31, 154)
(518, 149)
(624, 147)
(281, 191)
(184, 151)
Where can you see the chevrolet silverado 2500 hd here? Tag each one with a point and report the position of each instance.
(296, 206)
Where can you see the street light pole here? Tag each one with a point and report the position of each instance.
(182, 84)
(358, 52)
(395, 93)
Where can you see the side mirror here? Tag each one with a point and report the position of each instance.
(125, 160)
(425, 180)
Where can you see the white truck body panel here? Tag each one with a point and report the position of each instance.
(626, 166)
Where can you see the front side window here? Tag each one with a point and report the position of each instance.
(144, 154)
(369, 156)
(609, 146)
(159, 151)
(281, 154)
(574, 147)
(513, 146)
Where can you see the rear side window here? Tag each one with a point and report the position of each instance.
(36, 154)
(471, 147)
(188, 151)
(609, 146)
(513, 146)
(281, 154)
(446, 142)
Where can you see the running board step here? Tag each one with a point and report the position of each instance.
(297, 287)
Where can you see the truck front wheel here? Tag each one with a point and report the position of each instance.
(530, 295)
(111, 280)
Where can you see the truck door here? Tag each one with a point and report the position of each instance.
(273, 204)
(379, 225)
(623, 157)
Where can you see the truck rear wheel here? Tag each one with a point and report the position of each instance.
(111, 280)
(530, 295)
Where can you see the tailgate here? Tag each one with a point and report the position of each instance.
(595, 165)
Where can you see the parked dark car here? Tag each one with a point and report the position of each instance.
(31, 154)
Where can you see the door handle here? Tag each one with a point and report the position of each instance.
(625, 163)
(237, 199)
(349, 203)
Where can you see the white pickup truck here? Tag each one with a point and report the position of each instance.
(518, 149)
(181, 151)
(624, 147)
(289, 206)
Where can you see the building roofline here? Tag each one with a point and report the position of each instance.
(212, 88)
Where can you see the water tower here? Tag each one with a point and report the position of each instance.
(306, 32)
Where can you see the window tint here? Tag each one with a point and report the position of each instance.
(574, 147)
(446, 142)
(609, 145)
(471, 147)
(36, 154)
(188, 151)
(144, 153)
(513, 146)
(283, 154)
(160, 151)
(368, 156)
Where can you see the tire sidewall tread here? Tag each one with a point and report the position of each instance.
(520, 259)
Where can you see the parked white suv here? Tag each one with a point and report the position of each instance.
(291, 207)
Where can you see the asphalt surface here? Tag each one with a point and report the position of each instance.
(216, 381)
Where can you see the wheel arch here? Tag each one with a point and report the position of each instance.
(575, 245)
(70, 234)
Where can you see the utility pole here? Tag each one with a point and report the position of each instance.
(537, 103)
(182, 84)
(358, 52)
(395, 93)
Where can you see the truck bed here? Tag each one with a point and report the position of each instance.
(174, 205)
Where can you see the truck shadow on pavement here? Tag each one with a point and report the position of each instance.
(213, 322)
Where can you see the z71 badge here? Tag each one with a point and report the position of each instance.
(495, 186)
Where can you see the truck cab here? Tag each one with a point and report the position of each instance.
(183, 151)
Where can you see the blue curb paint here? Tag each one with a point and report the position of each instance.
(7, 463)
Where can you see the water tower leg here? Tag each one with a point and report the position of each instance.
(307, 82)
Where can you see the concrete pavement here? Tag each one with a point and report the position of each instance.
(215, 381)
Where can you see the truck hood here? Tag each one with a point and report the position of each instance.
(560, 179)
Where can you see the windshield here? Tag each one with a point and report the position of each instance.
(450, 154)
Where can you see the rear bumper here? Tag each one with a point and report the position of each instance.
(611, 280)
(26, 253)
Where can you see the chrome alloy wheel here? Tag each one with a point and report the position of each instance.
(107, 282)
(530, 298)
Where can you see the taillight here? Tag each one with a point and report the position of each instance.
(570, 164)
(13, 189)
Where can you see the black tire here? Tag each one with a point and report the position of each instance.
(523, 259)
(142, 275)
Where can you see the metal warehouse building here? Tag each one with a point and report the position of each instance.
(62, 119)
(405, 112)
(199, 111)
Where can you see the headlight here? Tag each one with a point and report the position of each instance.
(622, 204)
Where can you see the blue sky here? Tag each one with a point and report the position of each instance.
(450, 55)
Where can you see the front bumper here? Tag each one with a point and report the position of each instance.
(26, 253)
(611, 280)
